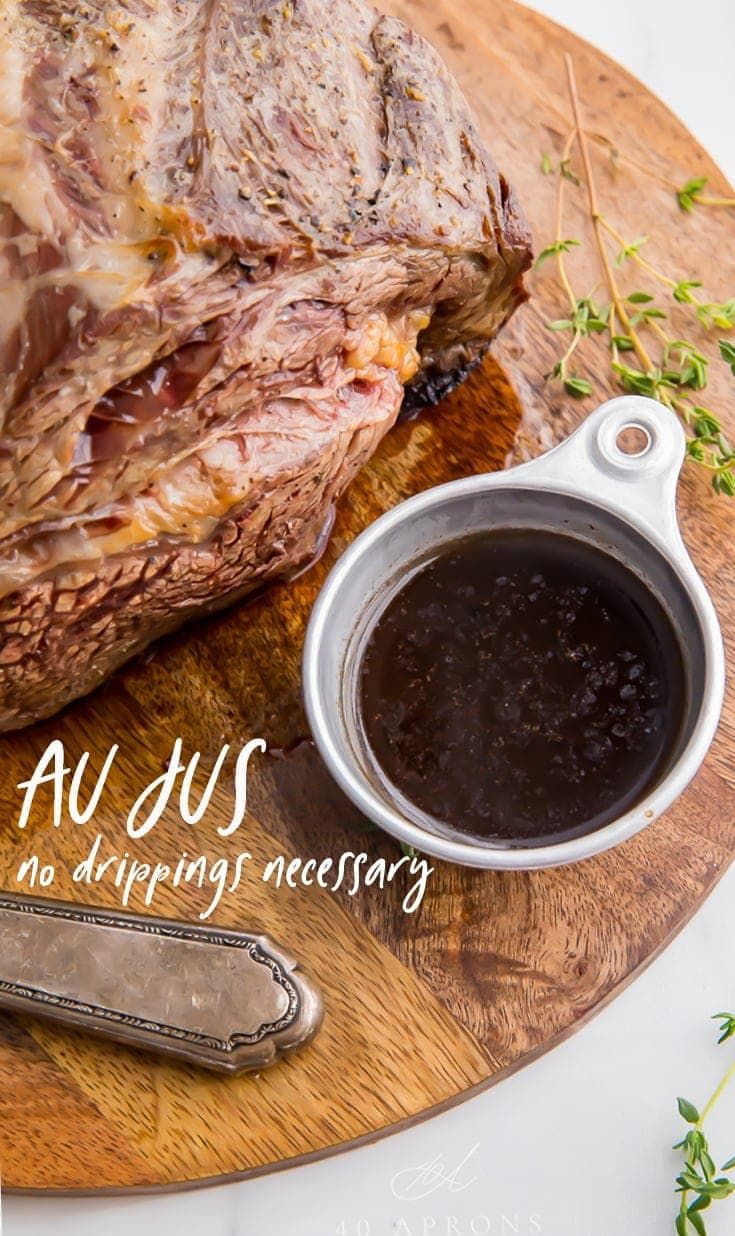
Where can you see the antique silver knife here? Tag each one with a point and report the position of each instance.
(225, 1000)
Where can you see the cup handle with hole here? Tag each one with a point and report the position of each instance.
(641, 486)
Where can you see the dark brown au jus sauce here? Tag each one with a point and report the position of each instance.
(522, 686)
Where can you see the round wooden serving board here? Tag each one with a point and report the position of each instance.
(424, 1009)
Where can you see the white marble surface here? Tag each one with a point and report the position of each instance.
(579, 1143)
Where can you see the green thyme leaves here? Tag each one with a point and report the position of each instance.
(690, 193)
(630, 250)
(646, 355)
(700, 1182)
(687, 1111)
(578, 387)
(727, 1030)
(559, 246)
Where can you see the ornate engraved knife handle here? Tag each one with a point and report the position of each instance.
(221, 999)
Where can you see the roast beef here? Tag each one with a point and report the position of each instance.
(231, 235)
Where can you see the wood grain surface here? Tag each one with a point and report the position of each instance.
(420, 1009)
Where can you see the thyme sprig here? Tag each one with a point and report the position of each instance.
(644, 356)
(688, 195)
(583, 315)
(701, 1182)
(691, 195)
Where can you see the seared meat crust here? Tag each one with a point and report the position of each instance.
(231, 233)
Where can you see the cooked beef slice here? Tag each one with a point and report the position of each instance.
(231, 235)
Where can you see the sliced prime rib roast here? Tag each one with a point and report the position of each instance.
(232, 235)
